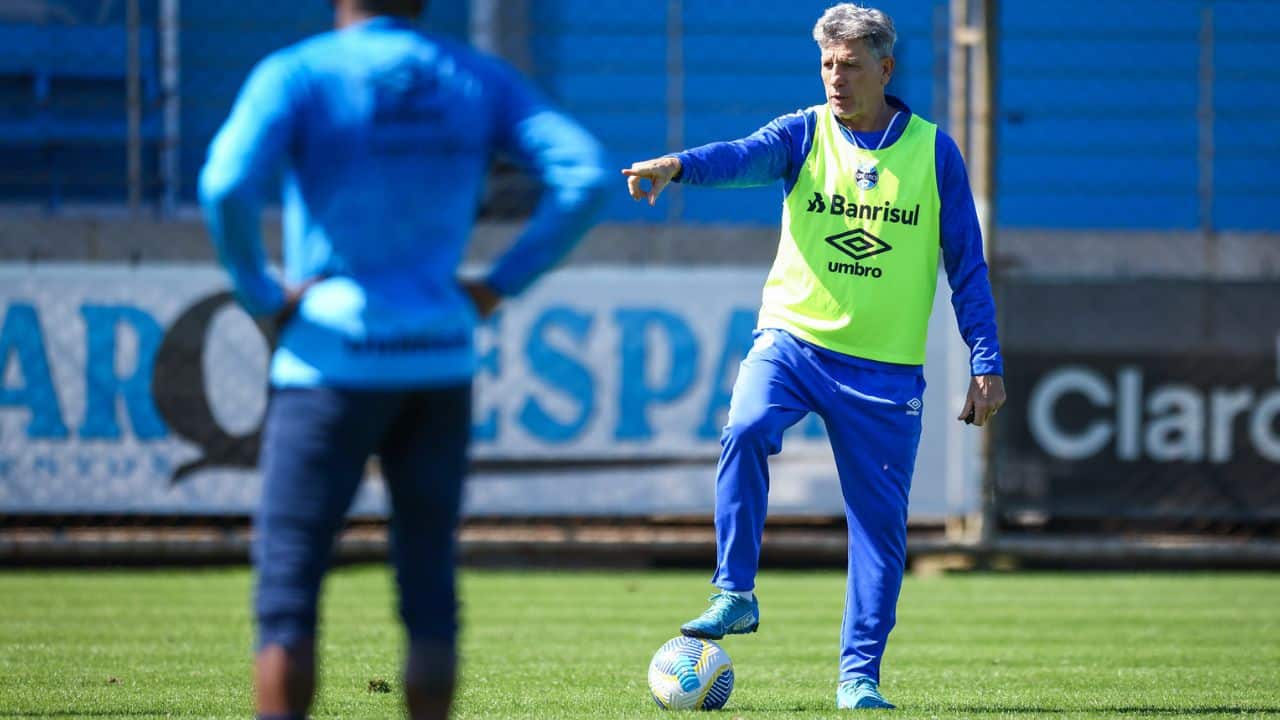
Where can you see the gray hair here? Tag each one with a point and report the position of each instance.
(847, 21)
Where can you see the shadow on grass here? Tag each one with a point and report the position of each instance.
(738, 708)
(1120, 709)
(87, 714)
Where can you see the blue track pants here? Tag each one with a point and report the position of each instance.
(872, 415)
(314, 449)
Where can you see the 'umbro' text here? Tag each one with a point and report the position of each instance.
(855, 269)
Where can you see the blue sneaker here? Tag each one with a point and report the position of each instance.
(861, 694)
(728, 615)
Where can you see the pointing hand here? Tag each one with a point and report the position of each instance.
(659, 172)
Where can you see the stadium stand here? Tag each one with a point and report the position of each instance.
(66, 86)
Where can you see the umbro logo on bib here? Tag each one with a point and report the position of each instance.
(858, 244)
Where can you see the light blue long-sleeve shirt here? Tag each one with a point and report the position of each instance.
(383, 137)
(778, 150)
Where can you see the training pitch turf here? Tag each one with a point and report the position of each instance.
(116, 644)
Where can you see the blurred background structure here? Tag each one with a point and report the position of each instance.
(1123, 153)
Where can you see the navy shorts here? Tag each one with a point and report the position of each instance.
(315, 445)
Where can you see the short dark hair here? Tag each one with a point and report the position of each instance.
(404, 8)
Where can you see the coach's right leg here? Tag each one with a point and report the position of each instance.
(424, 462)
(765, 402)
(314, 447)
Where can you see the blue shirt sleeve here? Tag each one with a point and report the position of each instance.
(962, 256)
(569, 163)
(774, 152)
(245, 155)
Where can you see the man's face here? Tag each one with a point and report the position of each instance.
(854, 78)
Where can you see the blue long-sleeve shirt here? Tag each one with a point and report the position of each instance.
(383, 137)
(778, 150)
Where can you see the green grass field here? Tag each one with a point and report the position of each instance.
(115, 644)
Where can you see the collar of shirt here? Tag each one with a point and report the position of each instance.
(871, 139)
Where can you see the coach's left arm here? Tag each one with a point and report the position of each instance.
(970, 286)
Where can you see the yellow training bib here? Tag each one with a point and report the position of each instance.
(857, 262)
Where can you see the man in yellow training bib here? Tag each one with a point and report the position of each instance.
(873, 194)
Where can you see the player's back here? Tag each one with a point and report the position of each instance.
(391, 149)
(384, 136)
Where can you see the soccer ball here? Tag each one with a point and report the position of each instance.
(690, 674)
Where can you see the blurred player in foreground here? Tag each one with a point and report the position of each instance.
(873, 192)
(384, 136)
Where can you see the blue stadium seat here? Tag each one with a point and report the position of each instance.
(67, 87)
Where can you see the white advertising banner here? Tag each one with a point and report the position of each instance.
(140, 390)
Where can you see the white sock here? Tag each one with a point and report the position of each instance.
(748, 595)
